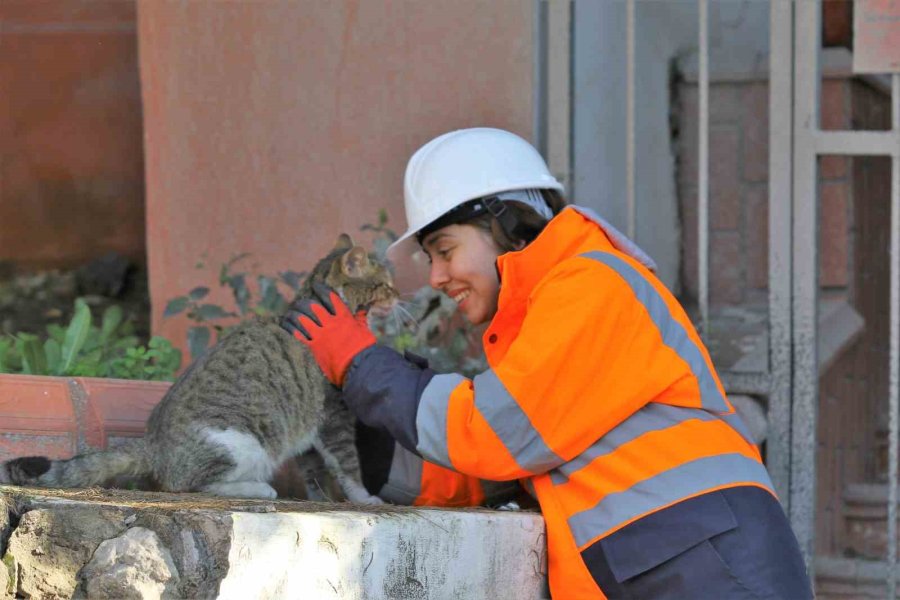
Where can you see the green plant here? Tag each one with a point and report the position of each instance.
(434, 330)
(209, 318)
(430, 327)
(84, 349)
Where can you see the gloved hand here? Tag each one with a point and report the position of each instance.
(332, 333)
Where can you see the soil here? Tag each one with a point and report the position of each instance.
(31, 300)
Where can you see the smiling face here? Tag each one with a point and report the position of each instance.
(462, 266)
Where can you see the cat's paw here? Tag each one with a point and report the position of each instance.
(359, 495)
(370, 501)
(242, 489)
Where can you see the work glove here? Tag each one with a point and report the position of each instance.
(326, 326)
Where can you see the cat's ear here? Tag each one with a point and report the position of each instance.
(343, 242)
(355, 262)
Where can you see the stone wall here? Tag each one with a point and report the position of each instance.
(86, 544)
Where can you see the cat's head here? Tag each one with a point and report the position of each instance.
(364, 282)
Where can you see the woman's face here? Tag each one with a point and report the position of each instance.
(462, 266)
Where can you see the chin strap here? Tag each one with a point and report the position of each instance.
(505, 217)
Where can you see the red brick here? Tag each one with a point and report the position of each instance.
(833, 167)
(834, 242)
(120, 408)
(724, 181)
(725, 102)
(57, 416)
(726, 268)
(833, 105)
(755, 126)
(36, 417)
(757, 220)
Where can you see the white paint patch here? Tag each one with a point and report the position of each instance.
(413, 554)
(252, 462)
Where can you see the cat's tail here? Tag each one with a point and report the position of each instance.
(83, 470)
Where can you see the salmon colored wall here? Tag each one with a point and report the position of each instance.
(71, 156)
(270, 127)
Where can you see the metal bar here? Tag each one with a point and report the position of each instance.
(539, 75)
(559, 96)
(856, 143)
(703, 175)
(894, 354)
(781, 62)
(629, 117)
(752, 384)
(805, 271)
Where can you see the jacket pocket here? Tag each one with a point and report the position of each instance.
(663, 535)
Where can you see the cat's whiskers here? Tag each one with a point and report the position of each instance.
(406, 317)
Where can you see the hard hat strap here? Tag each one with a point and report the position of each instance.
(505, 217)
(467, 211)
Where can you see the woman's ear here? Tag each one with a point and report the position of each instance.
(355, 262)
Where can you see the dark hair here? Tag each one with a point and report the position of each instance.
(530, 223)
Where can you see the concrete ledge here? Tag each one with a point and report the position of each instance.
(105, 544)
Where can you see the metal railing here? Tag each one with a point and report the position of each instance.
(795, 143)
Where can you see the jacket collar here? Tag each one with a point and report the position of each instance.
(566, 235)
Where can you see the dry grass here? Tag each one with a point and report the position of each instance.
(194, 501)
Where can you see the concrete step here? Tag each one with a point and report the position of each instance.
(114, 544)
(865, 517)
(840, 578)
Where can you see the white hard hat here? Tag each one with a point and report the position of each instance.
(464, 165)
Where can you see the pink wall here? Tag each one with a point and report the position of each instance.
(271, 127)
(71, 161)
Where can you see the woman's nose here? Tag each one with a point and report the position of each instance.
(437, 278)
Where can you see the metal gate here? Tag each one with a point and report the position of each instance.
(796, 140)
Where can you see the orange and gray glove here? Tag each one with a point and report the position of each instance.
(332, 333)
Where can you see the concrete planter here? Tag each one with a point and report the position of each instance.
(61, 416)
(142, 545)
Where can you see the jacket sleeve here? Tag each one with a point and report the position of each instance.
(413, 481)
(397, 474)
(589, 353)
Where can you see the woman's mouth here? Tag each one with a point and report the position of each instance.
(461, 296)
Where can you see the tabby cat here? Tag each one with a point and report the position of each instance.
(252, 401)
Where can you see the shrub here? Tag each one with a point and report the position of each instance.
(84, 349)
(430, 325)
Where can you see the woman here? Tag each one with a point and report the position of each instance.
(600, 398)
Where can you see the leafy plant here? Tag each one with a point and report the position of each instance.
(84, 349)
(209, 318)
(431, 326)
(439, 334)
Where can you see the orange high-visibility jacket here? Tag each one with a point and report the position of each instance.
(600, 398)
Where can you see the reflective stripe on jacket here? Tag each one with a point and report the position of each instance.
(416, 482)
(600, 392)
